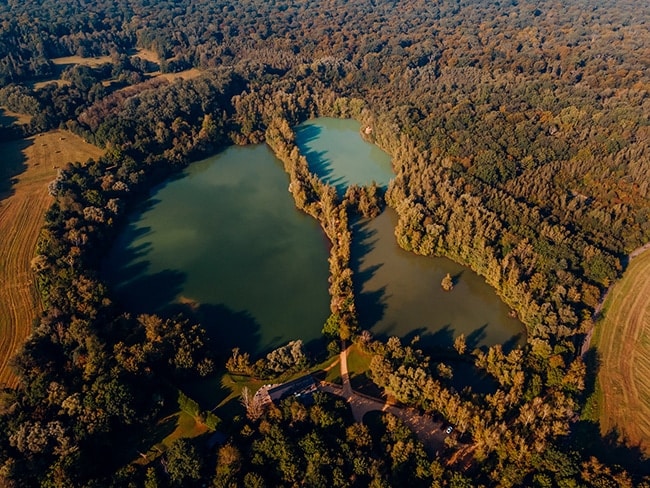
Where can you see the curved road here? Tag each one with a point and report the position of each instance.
(430, 433)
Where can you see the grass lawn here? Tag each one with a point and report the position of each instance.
(178, 425)
(358, 365)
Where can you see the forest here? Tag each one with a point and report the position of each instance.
(519, 138)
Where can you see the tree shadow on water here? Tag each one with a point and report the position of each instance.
(227, 328)
(474, 338)
(455, 279)
(371, 305)
(418, 333)
(306, 133)
(512, 343)
(321, 166)
(318, 161)
(442, 338)
(150, 293)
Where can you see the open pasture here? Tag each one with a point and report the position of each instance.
(623, 342)
(25, 171)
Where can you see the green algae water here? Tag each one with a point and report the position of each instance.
(336, 152)
(225, 240)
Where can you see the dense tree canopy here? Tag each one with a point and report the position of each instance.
(519, 134)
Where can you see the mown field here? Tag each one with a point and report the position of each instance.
(26, 169)
(623, 342)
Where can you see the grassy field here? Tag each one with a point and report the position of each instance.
(92, 62)
(147, 55)
(188, 74)
(62, 63)
(26, 169)
(7, 117)
(623, 342)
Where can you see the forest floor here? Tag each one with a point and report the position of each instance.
(623, 341)
(28, 165)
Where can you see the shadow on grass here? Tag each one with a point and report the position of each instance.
(586, 436)
(12, 165)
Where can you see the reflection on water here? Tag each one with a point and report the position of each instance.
(226, 240)
(399, 293)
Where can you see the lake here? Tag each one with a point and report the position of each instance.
(225, 240)
(336, 152)
(399, 293)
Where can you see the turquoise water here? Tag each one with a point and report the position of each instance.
(336, 152)
(225, 240)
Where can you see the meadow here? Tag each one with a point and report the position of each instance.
(623, 343)
(27, 168)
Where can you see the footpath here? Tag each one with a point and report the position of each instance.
(430, 433)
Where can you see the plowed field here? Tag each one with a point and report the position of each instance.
(26, 168)
(623, 341)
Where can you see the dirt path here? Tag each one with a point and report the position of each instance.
(28, 166)
(426, 430)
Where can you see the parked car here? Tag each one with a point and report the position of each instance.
(449, 429)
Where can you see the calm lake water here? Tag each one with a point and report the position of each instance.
(336, 152)
(226, 238)
(399, 293)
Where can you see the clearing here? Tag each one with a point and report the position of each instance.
(7, 117)
(63, 63)
(623, 342)
(27, 167)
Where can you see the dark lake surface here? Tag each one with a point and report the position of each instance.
(225, 239)
(399, 293)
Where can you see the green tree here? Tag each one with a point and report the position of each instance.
(183, 463)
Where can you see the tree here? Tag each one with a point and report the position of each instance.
(460, 345)
(251, 403)
(183, 463)
(447, 283)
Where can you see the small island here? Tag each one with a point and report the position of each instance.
(447, 283)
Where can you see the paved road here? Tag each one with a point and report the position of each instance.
(426, 430)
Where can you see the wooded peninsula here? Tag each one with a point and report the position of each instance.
(519, 134)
